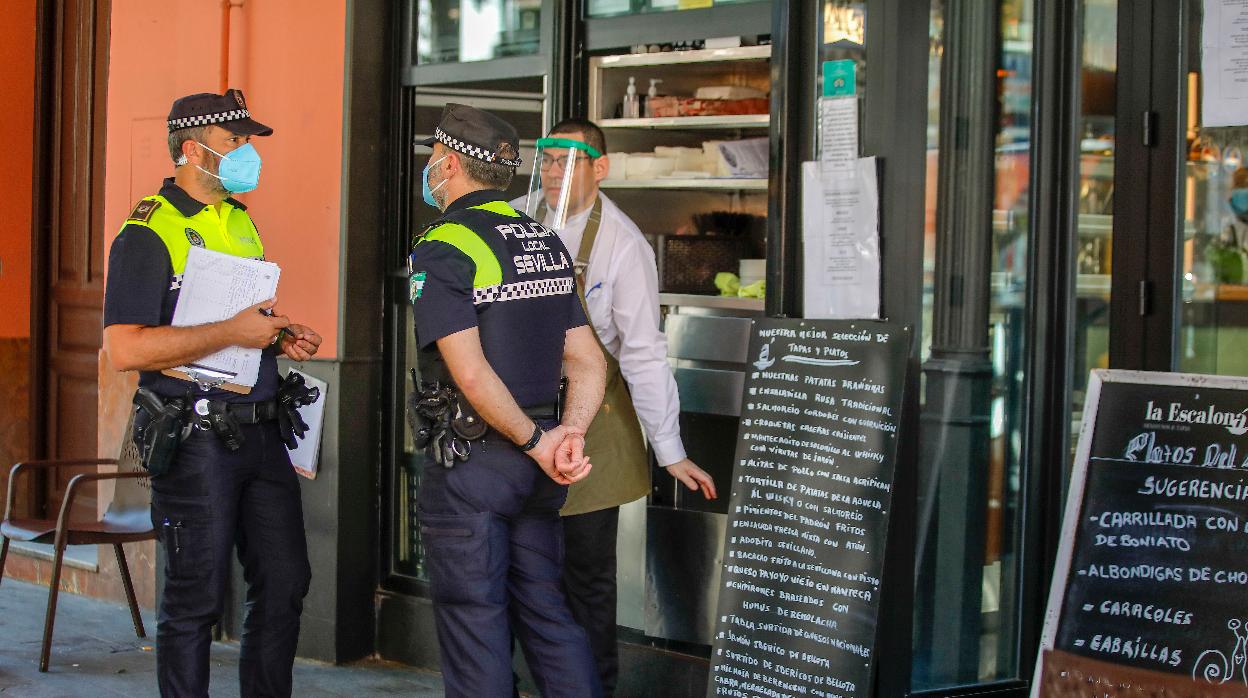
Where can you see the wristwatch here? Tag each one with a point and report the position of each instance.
(536, 437)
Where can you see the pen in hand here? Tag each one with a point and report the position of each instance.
(268, 312)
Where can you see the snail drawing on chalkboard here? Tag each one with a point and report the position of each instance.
(1213, 666)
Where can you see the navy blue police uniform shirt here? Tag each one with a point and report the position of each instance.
(142, 290)
(522, 335)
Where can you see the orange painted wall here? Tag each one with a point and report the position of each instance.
(17, 92)
(290, 64)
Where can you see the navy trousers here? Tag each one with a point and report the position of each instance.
(493, 551)
(590, 583)
(210, 502)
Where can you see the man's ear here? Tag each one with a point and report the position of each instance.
(602, 167)
(452, 164)
(190, 151)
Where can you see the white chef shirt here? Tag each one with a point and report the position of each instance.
(622, 294)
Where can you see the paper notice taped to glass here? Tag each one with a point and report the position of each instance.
(838, 130)
(216, 287)
(1224, 64)
(304, 457)
(840, 240)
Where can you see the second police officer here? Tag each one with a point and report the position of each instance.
(497, 323)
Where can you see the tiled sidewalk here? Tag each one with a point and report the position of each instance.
(95, 653)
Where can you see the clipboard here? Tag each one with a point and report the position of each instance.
(208, 378)
(215, 286)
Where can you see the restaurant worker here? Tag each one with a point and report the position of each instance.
(617, 282)
(221, 477)
(496, 321)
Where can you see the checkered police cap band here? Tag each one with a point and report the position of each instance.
(472, 150)
(207, 119)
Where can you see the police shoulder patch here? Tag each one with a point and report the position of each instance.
(194, 237)
(143, 211)
(415, 285)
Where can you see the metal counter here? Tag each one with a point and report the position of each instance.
(675, 576)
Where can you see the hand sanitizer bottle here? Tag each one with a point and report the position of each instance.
(631, 108)
(650, 95)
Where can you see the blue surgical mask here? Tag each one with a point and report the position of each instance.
(426, 192)
(1239, 202)
(239, 171)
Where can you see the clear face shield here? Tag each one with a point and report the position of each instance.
(555, 188)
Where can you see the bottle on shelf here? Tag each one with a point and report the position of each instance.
(650, 95)
(631, 108)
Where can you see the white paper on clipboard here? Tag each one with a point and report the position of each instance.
(215, 287)
(304, 457)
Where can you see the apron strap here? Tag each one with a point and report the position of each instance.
(581, 264)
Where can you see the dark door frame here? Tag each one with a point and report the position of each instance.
(1147, 173)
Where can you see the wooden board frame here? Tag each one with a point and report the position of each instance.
(1078, 482)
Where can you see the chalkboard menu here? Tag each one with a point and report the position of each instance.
(811, 491)
(1152, 574)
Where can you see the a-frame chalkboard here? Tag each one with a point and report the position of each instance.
(808, 520)
(1150, 591)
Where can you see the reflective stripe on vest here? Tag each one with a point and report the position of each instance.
(487, 281)
(230, 232)
(488, 272)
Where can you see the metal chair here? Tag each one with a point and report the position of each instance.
(127, 520)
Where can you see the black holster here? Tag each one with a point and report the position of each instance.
(158, 438)
(443, 423)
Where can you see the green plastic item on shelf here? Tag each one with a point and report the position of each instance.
(727, 283)
(754, 290)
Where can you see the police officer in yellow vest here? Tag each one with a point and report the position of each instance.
(221, 476)
(497, 323)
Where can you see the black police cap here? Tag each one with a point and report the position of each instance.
(205, 108)
(478, 134)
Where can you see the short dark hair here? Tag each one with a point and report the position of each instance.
(494, 175)
(182, 135)
(588, 130)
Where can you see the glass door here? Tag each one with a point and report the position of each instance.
(1211, 315)
(497, 55)
(1094, 183)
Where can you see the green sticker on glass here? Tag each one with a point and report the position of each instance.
(415, 285)
(839, 78)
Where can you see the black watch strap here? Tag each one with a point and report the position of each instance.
(536, 437)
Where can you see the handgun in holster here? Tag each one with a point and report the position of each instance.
(164, 431)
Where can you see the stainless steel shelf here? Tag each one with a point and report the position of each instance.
(708, 184)
(633, 60)
(694, 300)
(692, 122)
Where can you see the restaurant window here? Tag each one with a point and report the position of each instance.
(522, 102)
(1212, 186)
(973, 343)
(463, 31)
(1098, 34)
(616, 8)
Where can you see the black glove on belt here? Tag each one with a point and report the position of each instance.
(291, 395)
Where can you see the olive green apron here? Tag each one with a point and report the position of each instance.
(614, 444)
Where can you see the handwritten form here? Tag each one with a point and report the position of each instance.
(216, 287)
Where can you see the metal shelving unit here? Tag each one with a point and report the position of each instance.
(732, 121)
(707, 184)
